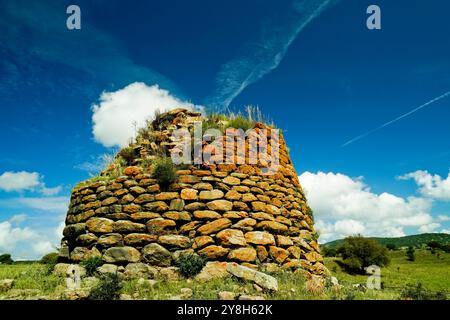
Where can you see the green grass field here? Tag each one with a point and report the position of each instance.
(433, 271)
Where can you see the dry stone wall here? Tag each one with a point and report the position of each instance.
(222, 212)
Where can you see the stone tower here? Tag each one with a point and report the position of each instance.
(223, 212)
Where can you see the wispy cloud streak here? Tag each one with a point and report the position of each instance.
(260, 58)
(384, 125)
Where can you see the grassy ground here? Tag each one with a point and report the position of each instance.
(34, 281)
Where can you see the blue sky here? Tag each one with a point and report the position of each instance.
(311, 66)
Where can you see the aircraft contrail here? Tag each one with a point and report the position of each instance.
(396, 119)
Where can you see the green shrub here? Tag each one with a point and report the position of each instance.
(391, 246)
(410, 254)
(329, 252)
(164, 171)
(107, 288)
(6, 259)
(190, 265)
(358, 253)
(417, 292)
(240, 122)
(50, 258)
(91, 264)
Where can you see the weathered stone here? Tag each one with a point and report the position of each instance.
(100, 225)
(233, 195)
(213, 270)
(232, 181)
(144, 198)
(231, 237)
(246, 224)
(273, 226)
(313, 256)
(214, 226)
(203, 186)
(169, 274)
(110, 240)
(131, 208)
(82, 253)
(157, 206)
(180, 253)
(166, 196)
(137, 190)
(177, 215)
(202, 241)
(295, 251)
(278, 254)
(258, 206)
(132, 171)
(159, 225)
(220, 205)
(271, 209)
(156, 254)
(191, 226)
(144, 215)
(262, 216)
(247, 254)
(139, 239)
(121, 255)
(140, 270)
(239, 205)
(206, 215)
(175, 241)
(211, 194)
(109, 201)
(6, 284)
(260, 237)
(213, 252)
(86, 239)
(176, 204)
(284, 241)
(74, 230)
(263, 280)
(226, 295)
(248, 197)
(194, 206)
(107, 268)
(127, 199)
(262, 253)
(126, 226)
(189, 194)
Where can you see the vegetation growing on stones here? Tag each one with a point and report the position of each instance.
(190, 264)
(164, 171)
(92, 264)
(107, 288)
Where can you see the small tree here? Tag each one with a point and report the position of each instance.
(358, 253)
(391, 246)
(6, 259)
(410, 254)
(329, 252)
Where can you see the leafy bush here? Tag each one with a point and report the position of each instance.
(358, 253)
(391, 246)
(410, 254)
(190, 265)
(6, 259)
(329, 252)
(91, 264)
(164, 171)
(50, 258)
(107, 288)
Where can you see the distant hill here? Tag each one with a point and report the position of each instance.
(414, 240)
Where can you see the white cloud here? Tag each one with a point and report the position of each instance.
(53, 204)
(18, 181)
(432, 186)
(428, 228)
(116, 113)
(445, 231)
(443, 217)
(345, 206)
(26, 181)
(26, 243)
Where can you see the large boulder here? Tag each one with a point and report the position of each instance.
(119, 255)
(261, 279)
(156, 254)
